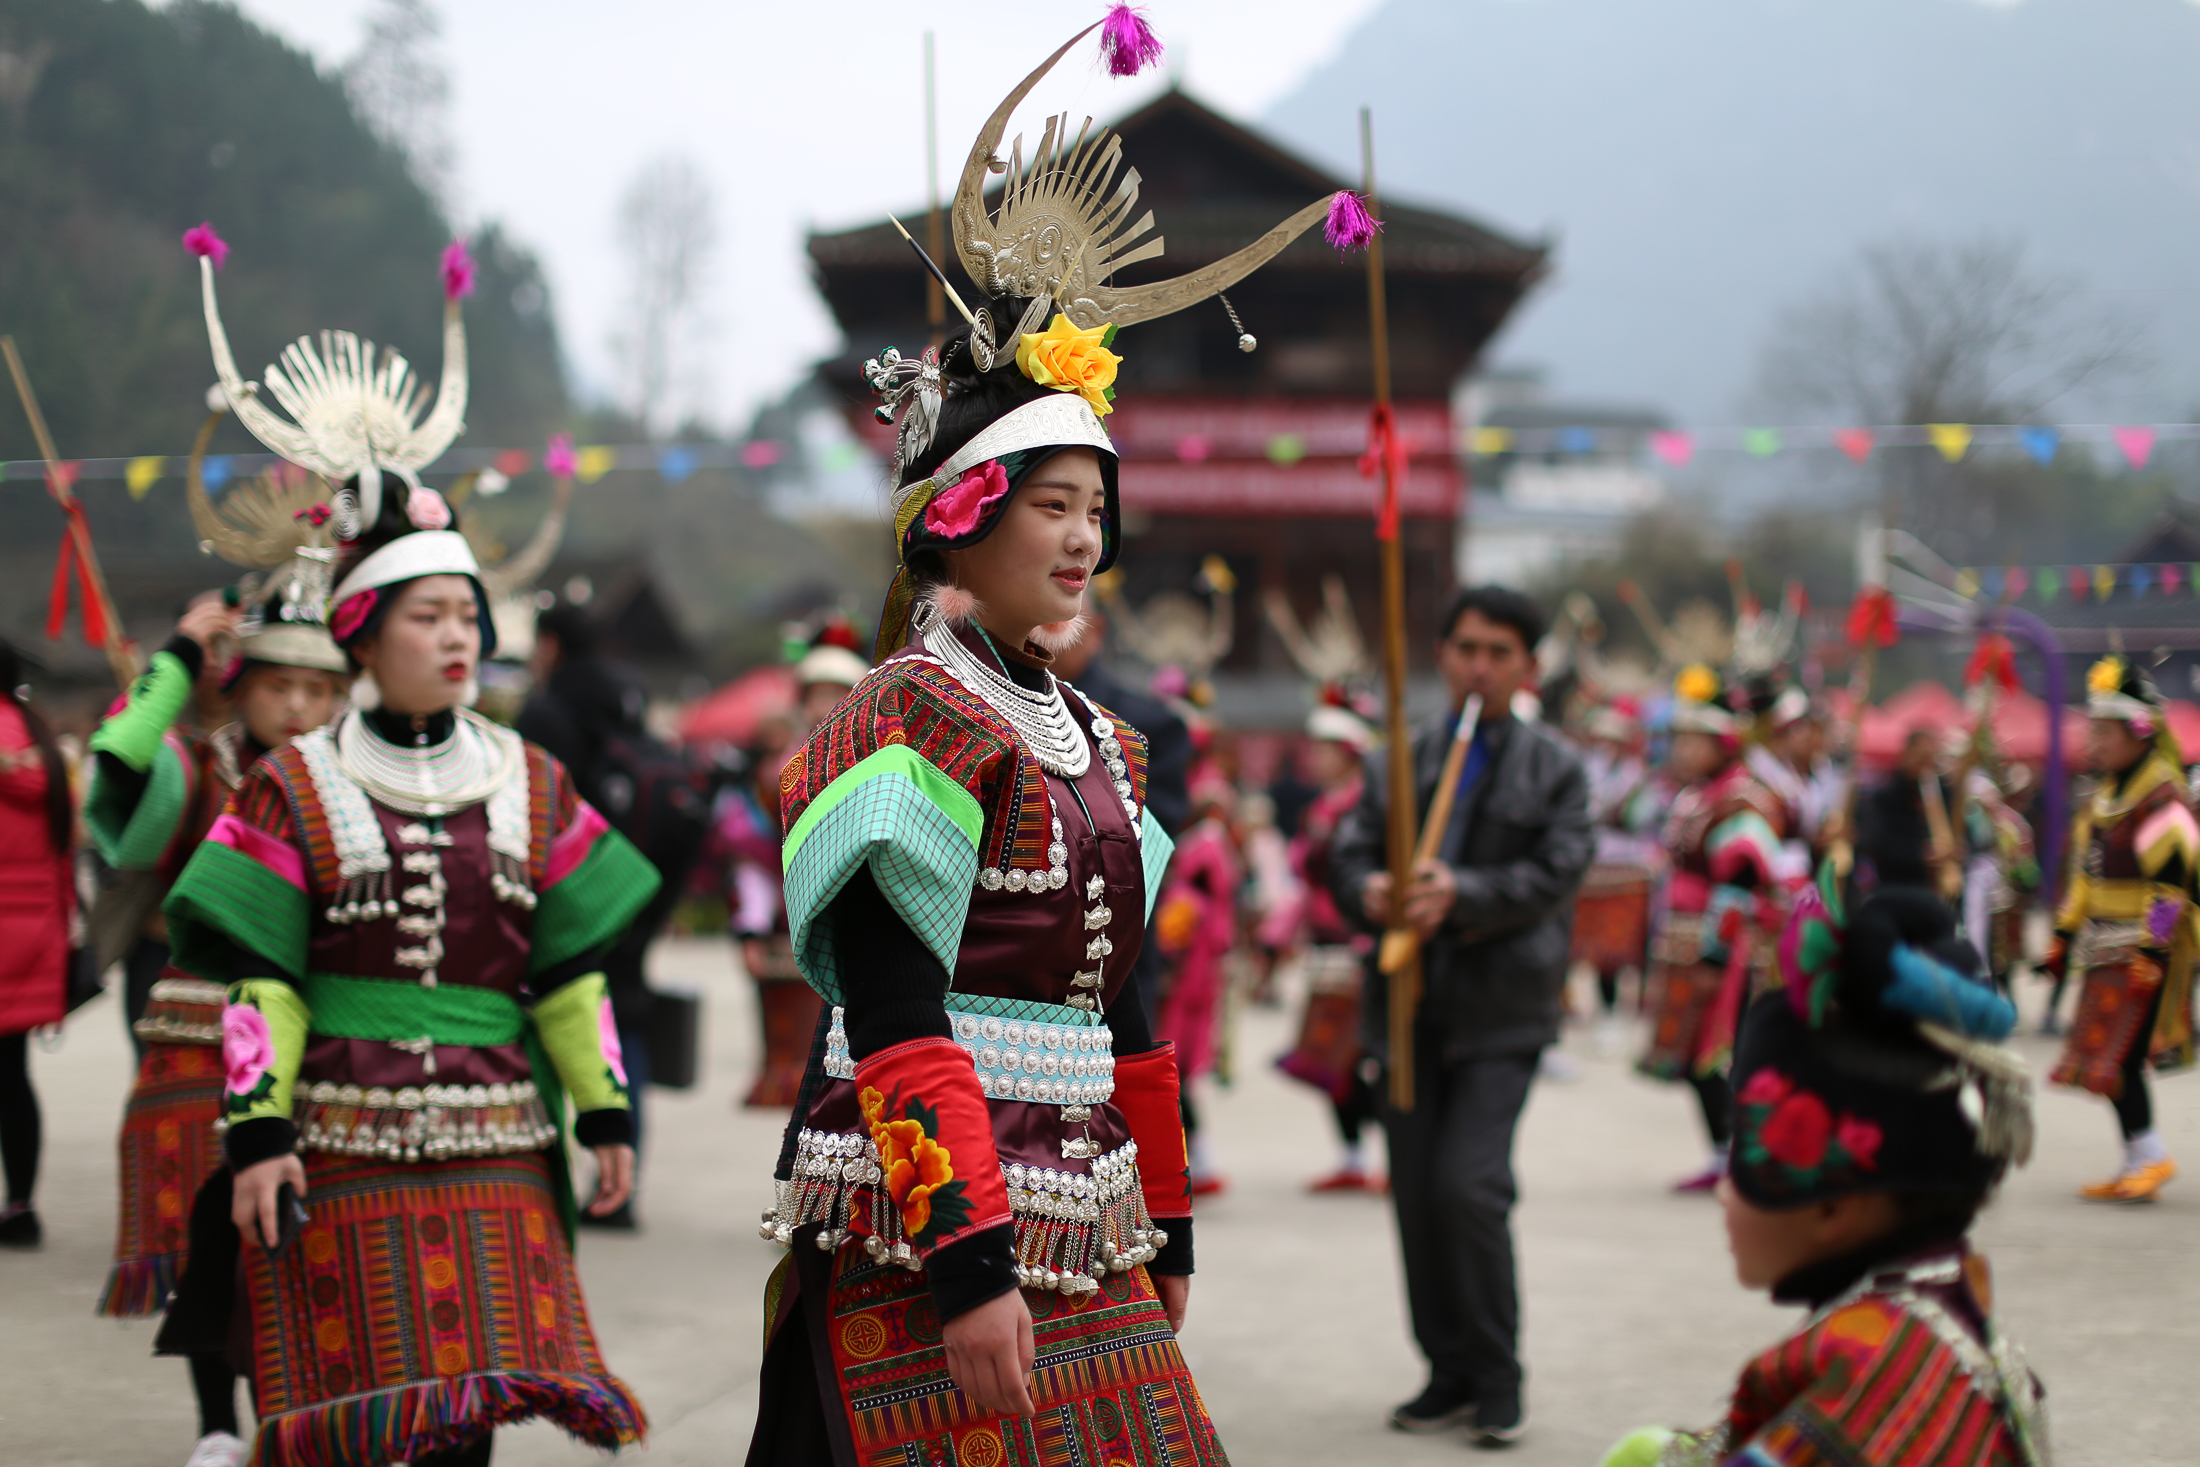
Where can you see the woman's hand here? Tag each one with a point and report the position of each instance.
(207, 619)
(252, 1203)
(614, 1179)
(1175, 1290)
(989, 1354)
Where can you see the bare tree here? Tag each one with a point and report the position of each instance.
(668, 231)
(1915, 332)
(398, 82)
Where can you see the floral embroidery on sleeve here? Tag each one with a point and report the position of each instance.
(920, 1174)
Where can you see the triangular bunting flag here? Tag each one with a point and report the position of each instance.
(1761, 442)
(139, 476)
(2137, 444)
(1675, 448)
(1855, 442)
(1952, 439)
(2041, 443)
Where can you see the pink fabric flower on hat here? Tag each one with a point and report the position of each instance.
(248, 1048)
(607, 1034)
(961, 507)
(428, 510)
(353, 613)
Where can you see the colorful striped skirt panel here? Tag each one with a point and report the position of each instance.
(420, 1306)
(168, 1147)
(1112, 1388)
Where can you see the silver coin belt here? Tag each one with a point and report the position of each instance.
(422, 1122)
(1029, 1059)
(1016, 1059)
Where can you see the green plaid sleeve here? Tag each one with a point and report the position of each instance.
(916, 828)
(1154, 849)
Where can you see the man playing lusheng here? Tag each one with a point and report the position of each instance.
(1494, 912)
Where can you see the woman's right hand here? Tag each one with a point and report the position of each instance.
(207, 618)
(990, 1352)
(252, 1204)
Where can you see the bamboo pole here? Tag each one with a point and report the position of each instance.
(1404, 984)
(1402, 945)
(935, 302)
(119, 659)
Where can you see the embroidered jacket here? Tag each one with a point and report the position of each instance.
(1906, 1369)
(1032, 891)
(406, 987)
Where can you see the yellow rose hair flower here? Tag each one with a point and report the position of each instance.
(1696, 684)
(2106, 676)
(1069, 359)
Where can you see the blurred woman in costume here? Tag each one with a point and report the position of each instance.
(1723, 905)
(1334, 952)
(2127, 922)
(157, 788)
(1627, 800)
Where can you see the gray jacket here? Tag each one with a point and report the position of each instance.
(1518, 848)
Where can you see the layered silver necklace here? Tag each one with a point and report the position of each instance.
(465, 769)
(1042, 720)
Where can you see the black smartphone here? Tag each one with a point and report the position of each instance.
(290, 1215)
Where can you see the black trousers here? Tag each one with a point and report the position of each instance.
(1451, 1182)
(141, 969)
(2135, 1107)
(22, 1132)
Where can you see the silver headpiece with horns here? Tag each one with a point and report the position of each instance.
(354, 412)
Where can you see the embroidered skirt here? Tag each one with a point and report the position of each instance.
(2113, 1007)
(169, 1144)
(1108, 1380)
(420, 1306)
(1612, 919)
(1684, 1005)
(1328, 1048)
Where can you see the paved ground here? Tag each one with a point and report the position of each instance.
(1296, 1332)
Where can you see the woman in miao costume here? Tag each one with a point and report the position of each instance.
(986, 1168)
(157, 788)
(409, 910)
(1724, 903)
(2128, 922)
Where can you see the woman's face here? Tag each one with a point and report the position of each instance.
(1032, 570)
(427, 649)
(1695, 755)
(279, 703)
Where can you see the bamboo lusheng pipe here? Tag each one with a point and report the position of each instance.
(1404, 984)
(119, 660)
(1401, 944)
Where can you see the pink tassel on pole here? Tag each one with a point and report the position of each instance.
(558, 458)
(203, 241)
(458, 271)
(1127, 42)
(1349, 226)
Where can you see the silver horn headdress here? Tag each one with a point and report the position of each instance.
(276, 524)
(354, 412)
(1065, 224)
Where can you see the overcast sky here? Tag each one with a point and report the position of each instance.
(801, 114)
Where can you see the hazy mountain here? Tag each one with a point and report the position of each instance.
(1703, 162)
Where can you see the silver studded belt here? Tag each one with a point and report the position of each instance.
(1018, 1056)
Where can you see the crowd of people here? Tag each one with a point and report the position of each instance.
(384, 959)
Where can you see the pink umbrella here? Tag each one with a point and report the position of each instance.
(733, 713)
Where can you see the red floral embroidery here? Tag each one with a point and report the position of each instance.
(1797, 1131)
(1766, 1087)
(1860, 1139)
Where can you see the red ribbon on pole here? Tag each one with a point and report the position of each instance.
(1992, 660)
(1386, 451)
(72, 559)
(1871, 618)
